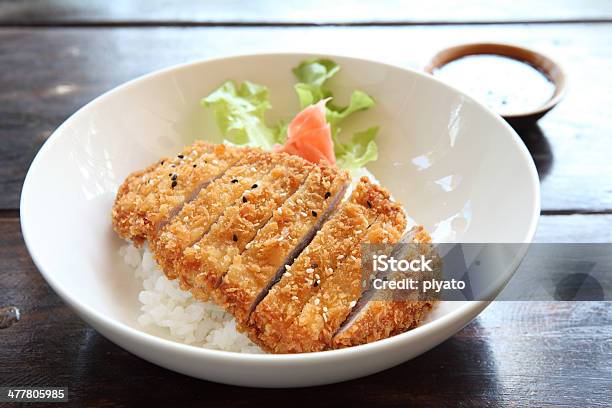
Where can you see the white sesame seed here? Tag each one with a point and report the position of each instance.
(353, 258)
(317, 276)
(325, 317)
(352, 304)
(185, 218)
(247, 246)
(287, 274)
(340, 257)
(288, 267)
(253, 169)
(280, 211)
(309, 270)
(325, 308)
(196, 247)
(215, 162)
(358, 232)
(317, 301)
(303, 214)
(330, 270)
(294, 297)
(299, 201)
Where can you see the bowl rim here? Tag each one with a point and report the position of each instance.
(547, 66)
(138, 336)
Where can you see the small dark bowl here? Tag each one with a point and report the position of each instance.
(542, 63)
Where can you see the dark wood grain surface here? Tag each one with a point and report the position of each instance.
(58, 55)
(292, 12)
(49, 73)
(513, 354)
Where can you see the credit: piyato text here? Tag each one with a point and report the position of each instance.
(429, 285)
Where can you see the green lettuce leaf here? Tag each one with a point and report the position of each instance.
(360, 150)
(316, 71)
(312, 76)
(239, 112)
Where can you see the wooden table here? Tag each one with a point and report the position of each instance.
(57, 55)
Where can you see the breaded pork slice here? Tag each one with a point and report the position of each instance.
(196, 217)
(204, 264)
(322, 316)
(271, 323)
(379, 316)
(138, 186)
(139, 213)
(288, 232)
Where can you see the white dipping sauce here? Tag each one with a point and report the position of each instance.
(503, 84)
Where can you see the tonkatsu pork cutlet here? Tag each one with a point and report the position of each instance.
(204, 264)
(272, 322)
(148, 199)
(322, 316)
(380, 315)
(196, 217)
(267, 236)
(288, 232)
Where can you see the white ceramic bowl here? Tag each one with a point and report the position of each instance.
(459, 169)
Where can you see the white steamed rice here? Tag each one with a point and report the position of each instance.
(180, 317)
(174, 313)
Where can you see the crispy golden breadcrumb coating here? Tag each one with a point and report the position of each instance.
(291, 228)
(382, 316)
(141, 208)
(272, 321)
(266, 236)
(197, 216)
(204, 264)
(322, 316)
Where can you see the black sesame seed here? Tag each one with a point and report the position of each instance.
(195, 165)
(162, 162)
(327, 195)
(244, 200)
(254, 185)
(180, 156)
(369, 204)
(314, 265)
(174, 176)
(314, 213)
(315, 284)
(234, 181)
(170, 174)
(235, 238)
(174, 183)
